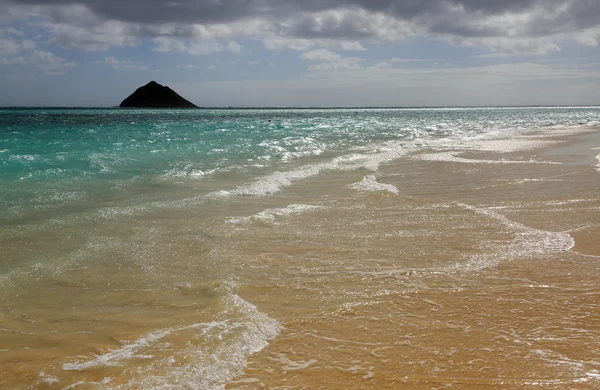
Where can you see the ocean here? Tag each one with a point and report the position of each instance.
(297, 248)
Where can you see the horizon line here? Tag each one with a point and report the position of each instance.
(302, 107)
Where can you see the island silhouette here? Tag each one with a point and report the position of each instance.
(154, 95)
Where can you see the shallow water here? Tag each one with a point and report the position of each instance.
(369, 248)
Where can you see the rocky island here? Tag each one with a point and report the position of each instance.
(154, 95)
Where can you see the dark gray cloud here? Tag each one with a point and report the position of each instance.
(215, 11)
(488, 22)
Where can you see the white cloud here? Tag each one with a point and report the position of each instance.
(234, 47)
(351, 46)
(186, 66)
(92, 38)
(48, 61)
(124, 64)
(589, 37)
(165, 45)
(212, 67)
(320, 55)
(346, 63)
(24, 52)
(13, 61)
(279, 43)
(195, 47)
(10, 46)
(43, 60)
(408, 60)
(381, 65)
(204, 47)
(518, 46)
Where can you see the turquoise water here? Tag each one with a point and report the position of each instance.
(119, 258)
(64, 158)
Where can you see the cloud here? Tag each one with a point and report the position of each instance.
(234, 47)
(330, 61)
(11, 31)
(48, 62)
(320, 55)
(410, 60)
(24, 52)
(506, 84)
(200, 27)
(186, 66)
(10, 46)
(195, 47)
(124, 64)
(381, 65)
(346, 63)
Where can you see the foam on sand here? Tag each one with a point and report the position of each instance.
(370, 184)
(449, 151)
(270, 215)
(527, 242)
(233, 342)
(597, 158)
(451, 157)
(519, 144)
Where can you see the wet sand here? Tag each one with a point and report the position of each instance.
(472, 275)
(469, 267)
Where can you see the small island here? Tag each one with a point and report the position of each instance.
(154, 95)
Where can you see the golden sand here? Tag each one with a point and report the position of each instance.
(468, 269)
(463, 279)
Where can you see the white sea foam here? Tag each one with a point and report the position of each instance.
(292, 365)
(505, 141)
(274, 182)
(189, 172)
(452, 157)
(235, 341)
(212, 371)
(270, 215)
(370, 184)
(510, 145)
(99, 160)
(24, 157)
(527, 242)
(117, 356)
(49, 379)
(289, 148)
(585, 370)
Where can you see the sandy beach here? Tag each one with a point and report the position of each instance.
(465, 264)
(507, 297)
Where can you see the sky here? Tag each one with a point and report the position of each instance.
(94, 53)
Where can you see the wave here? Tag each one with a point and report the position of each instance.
(275, 181)
(270, 215)
(370, 184)
(231, 341)
(527, 242)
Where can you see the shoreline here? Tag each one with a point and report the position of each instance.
(462, 263)
(525, 202)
